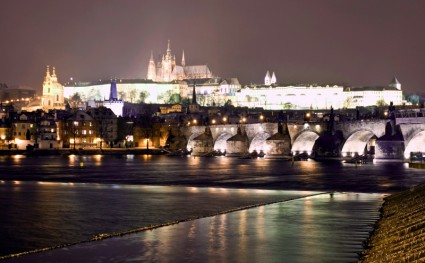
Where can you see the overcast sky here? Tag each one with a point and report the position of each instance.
(317, 41)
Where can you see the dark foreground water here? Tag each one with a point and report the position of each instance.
(320, 228)
(48, 201)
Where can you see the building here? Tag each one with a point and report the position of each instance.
(53, 93)
(273, 96)
(167, 70)
(373, 95)
(113, 103)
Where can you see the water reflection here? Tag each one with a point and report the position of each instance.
(72, 212)
(314, 230)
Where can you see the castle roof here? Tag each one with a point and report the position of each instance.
(198, 69)
(395, 81)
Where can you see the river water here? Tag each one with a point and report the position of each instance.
(50, 200)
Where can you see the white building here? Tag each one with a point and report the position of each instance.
(273, 96)
(291, 97)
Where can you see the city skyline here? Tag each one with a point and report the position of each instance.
(359, 43)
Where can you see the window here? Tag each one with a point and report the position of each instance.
(23, 126)
(75, 123)
(84, 132)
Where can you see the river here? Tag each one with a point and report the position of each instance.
(50, 200)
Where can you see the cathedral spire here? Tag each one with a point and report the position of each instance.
(151, 69)
(168, 56)
(183, 60)
(151, 59)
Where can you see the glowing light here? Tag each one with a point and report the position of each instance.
(224, 119)
(344, 154)
(3, 137)
(406, 155)
(213, 121)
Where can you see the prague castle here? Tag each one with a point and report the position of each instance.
(167, 70)
(169, 83)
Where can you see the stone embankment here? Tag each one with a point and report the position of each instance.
(399, 235)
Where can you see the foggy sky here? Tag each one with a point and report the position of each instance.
(356, 42)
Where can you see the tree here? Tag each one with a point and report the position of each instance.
(381, 102)
(76, 97)
(71, 128)
(143, 96)
(104, 123)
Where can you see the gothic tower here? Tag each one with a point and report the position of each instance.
(267, 78)
(273, 79)
(151, 69)
(183, 60)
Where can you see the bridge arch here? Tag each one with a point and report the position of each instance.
(415, 144)
(258, 143)
(190, 142)
(304, 142)
(357, 142)
(220, 144)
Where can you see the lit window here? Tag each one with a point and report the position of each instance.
(75, 123)
(84, 132)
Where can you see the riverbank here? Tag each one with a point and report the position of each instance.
(399, 235)
(106, 151)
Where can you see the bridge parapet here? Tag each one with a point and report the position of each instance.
(377, 127)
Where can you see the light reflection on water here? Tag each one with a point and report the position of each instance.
(221, 172)
(43, 214)
(322, 228)
(73, 202)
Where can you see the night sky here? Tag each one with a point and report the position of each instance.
(356, 42)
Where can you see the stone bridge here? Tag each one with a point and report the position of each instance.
(358, 136)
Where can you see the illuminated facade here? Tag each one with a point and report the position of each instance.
(272, 96)
(167, 69)
(53, 93)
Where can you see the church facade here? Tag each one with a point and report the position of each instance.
(167, 70)
(53, 97)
